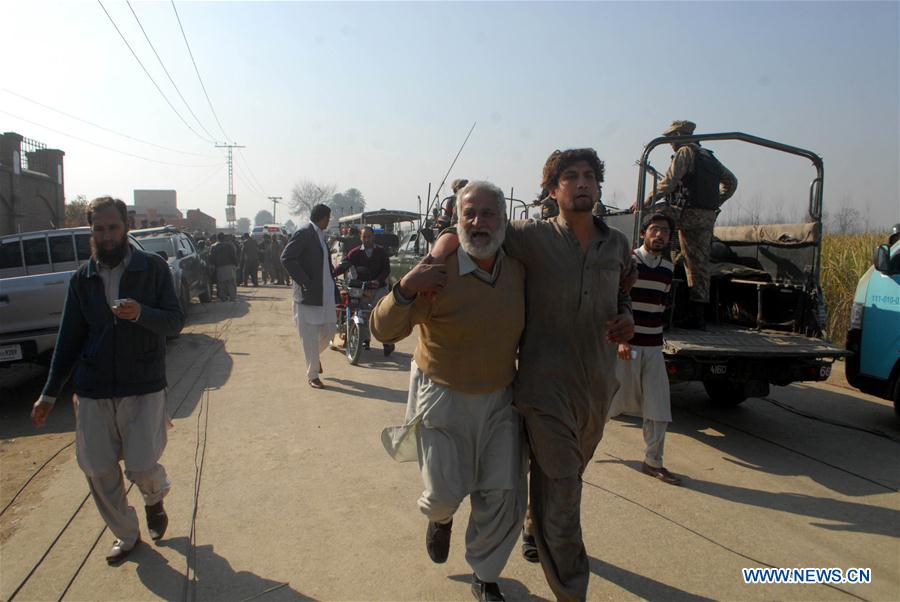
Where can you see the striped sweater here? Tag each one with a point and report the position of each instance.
(649, 296)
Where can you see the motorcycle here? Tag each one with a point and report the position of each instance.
(354, 323)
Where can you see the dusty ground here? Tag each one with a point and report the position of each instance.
(282, 492)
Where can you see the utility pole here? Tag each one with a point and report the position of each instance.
(231, 199)
(276, 200)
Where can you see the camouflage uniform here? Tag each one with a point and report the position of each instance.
(695, 225)
(695, 231)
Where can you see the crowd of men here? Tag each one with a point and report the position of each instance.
(510, 420)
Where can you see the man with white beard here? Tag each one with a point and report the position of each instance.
(460, 422)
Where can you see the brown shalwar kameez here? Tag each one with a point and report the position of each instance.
(566, 377)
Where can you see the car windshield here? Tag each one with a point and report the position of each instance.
(155, 245)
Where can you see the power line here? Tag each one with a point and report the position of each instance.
(158, 89)
(259, 187)
(191, 54)
(249, 184)
(249, 170)
(100, 145)
(98, 126)
(166, 71)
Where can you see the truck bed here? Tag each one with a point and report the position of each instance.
(736, 341)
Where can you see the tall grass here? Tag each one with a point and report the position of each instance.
(845, 257)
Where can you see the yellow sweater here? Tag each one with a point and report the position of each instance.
(469, 334)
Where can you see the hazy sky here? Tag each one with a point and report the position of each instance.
(379, 96)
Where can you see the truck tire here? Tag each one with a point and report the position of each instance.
(725, 392)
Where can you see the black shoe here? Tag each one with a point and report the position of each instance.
(157, 520)
(529, 548)
(486, 591)
(388, 349)
(118, 553)
(437, 541)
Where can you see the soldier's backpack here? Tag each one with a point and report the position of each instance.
(701, 186)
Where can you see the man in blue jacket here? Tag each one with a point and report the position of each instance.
(120, 307)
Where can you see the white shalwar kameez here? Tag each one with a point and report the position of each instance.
(316, 323)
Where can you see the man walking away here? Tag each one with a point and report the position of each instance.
(250, 261)
(460, 412)
(307, 260)
(224, 258)
(695, 186)
(641, 369)
(120, 307)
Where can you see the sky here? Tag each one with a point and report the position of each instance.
(379, 96)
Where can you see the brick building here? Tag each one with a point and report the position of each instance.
(32, 192)
(199, 221)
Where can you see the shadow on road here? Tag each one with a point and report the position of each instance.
(643, 587)
(218, 311)
(851, 516)
(512, 589)
(202, 362)
(215, 577)
(15, 410)
(366, 390)
(756, 433)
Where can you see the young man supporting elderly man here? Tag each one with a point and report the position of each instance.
(577, 311)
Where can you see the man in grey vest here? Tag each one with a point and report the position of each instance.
(696, 184)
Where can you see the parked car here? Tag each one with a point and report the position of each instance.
(35, 268)
(189, 271)
(258, 232)
(874, 333)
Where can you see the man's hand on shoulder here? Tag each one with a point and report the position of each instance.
(427, 276)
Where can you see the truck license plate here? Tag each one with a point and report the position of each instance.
(824, 372)
(719, 369)
(10, 353)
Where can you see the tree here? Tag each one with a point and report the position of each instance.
(846, 220)
(290, 226)
(307, 194)
(347, 203)
(262, 218)
(76, 212)
(243, 225)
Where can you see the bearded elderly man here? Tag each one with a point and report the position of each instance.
(578, 270)
(459, 416)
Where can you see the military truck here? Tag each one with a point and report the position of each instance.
(765, 322)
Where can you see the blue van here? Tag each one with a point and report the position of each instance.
(874, 335)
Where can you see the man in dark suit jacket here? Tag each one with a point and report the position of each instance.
(307, 260)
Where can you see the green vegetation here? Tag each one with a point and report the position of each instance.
(845, 257)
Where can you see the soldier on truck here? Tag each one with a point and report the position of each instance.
(695, 186)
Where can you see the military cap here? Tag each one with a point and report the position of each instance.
(457, 184)
(680, 128)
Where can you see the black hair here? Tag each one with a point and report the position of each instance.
(105, 202)
(319, 212)
(657, 217)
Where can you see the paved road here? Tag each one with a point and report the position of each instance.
(285, 493)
